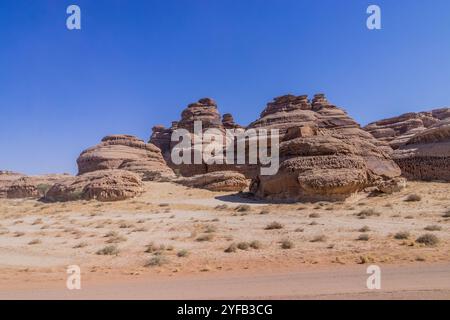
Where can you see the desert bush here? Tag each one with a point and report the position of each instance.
(314, 215)
(205, 237)
(287, 244)
(243, 245)
(364, 229)
(231, 248)
(108, 251)
(243, 208)
(368, 213)
(221, 207)
(35, 241)
(264, 211)
(402, 235)
(255, 244)
(274, 226)
(182, 253)
(433, 228)
(319, 238)
(363, 237)
(156, 261)
(428, 240)
(80, 245)
(446, 214)
(413, 198)
(210, 229)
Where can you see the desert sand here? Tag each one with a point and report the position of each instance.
(175, 232)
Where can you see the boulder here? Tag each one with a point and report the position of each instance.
(216, 181)
(127, 153)
(102, 185)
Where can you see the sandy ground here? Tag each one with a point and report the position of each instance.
(188, 231)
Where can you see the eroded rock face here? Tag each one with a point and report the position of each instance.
(398, 130)
(102, 185)
(426, 155)
(19, 186)
(324, 154)
(127, 153)
(217, 181)
(205, 111)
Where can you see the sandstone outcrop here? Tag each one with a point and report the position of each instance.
(127, 153)
(398, 130)
(324, 154)
(426, 155)
(18, 186)
(216, 181)
(205, 111)
(102, 185)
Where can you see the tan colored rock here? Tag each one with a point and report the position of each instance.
(102, 185)
(128, 153)
(398, 130)
(324, 154)
(217, 181)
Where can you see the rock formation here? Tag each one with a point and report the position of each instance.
(102, 185)
(426, 155)
(205, 111)
(216, 181)
(398, 130)
(128, 153)
(324, 154)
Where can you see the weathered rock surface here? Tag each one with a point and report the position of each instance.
(426, 155)
(324, 154)
(398, 130)
(17, 186)
(102, 185)
(216, 181)
(127, 153)
(205, 111)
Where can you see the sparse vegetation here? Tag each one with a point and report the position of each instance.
(319, 238)
(428, 239)
(210, 229)
(221, 207)
(446, 214)
(364, 229)
(156, 261)
(402, 235)
(243, 208)
(264, 211)
(35, 241)
(255, 244)
(363, 237)
(287, 244)
(413, 198)
(108, 251)
(314, 215)
(80, 245)
(243, 245)
(231, 248)
(433, 228)
(205, 237)
(182, 253)
(368, 213)
(274, 226)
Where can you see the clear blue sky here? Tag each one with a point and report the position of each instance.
(139, 63)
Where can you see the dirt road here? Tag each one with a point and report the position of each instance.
(399, 282)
